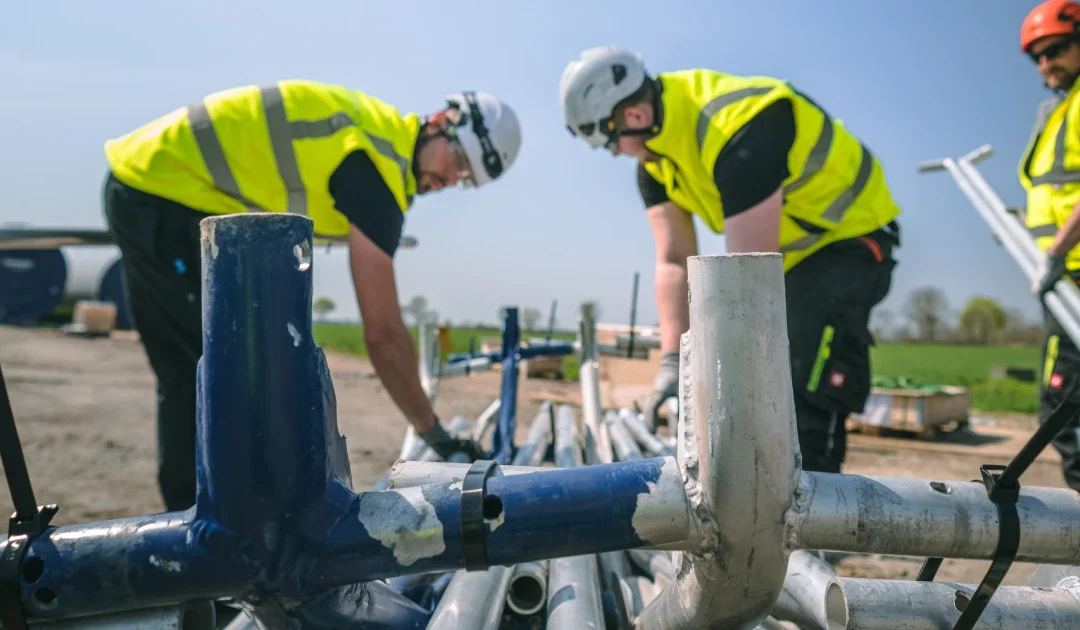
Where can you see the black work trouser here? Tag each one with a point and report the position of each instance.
(1061, 368)
(829, 298)
(159, 241)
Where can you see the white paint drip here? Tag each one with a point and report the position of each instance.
(653, 514)
(295, 334)
(172, 566)
(424, 540)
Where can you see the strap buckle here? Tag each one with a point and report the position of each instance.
(1002, 485)
(473, 487)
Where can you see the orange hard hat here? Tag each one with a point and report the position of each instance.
(1053, 17)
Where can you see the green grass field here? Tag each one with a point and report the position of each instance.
(967, 366)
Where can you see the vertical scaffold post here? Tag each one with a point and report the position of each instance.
(738, 448)
(502, 439)
(266, 406)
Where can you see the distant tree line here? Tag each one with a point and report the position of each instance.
(928, 317)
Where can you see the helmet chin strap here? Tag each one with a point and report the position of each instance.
(651, 130)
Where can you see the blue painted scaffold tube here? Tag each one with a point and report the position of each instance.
(547, 514)
(276, 523)
(502, 440)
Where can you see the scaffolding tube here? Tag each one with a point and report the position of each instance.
(589, 377)
(475, 599)
(528, 588)
(1063, 301)
(919, 517)
(483, 423)
(655, 564)
(625, 446)
(802, 601)
(648, 440)
(870, 604)
(616, 572)
(573, 594)
(741, 479)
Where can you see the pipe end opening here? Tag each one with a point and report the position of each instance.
(836, 607)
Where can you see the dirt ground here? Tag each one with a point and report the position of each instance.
(85, 414)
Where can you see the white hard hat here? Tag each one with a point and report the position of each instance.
(489, 134)
(593, 85)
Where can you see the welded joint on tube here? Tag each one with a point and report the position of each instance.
(706, 532)
(799, 510)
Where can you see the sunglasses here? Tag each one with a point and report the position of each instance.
(1053, 51)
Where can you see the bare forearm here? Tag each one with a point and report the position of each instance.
(394, 357)
(671, 303)
(1069, 235)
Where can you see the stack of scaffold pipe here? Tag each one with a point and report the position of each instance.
(617, 532)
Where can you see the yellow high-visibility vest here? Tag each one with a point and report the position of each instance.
(836, 190)
(268, 148)
(1049, 171)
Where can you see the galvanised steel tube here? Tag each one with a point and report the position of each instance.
(483, 423)
(475, 599)
(1065, 291)
(421, 452)
(615, 569)
(737, 445)
(573, 597)
(531, 453)
(867, 604)
(649, 442)
(543, 515)
(944, 519)
(657, 564)
(1067, 312)
(589, 377)
(803, 599)
(528, 587)
(409, 474)
(369, 605)
(625, 446)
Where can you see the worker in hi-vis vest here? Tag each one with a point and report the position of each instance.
(1049, 171)
(755, 159)
(347, 160)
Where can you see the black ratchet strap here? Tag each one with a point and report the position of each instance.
(473, 545)
(25, 524)
(1003, 487)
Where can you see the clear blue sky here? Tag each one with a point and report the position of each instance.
(915, 81)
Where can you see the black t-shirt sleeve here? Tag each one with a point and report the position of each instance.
(361, 194)
(652, 191)
(753, 163)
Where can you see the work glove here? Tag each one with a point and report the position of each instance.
(665, 386)
(446, 445)
(1050, 270)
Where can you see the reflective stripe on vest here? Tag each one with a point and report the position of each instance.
(1057, 173)
(814, 162)
(1042, 231)
(282, 134)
